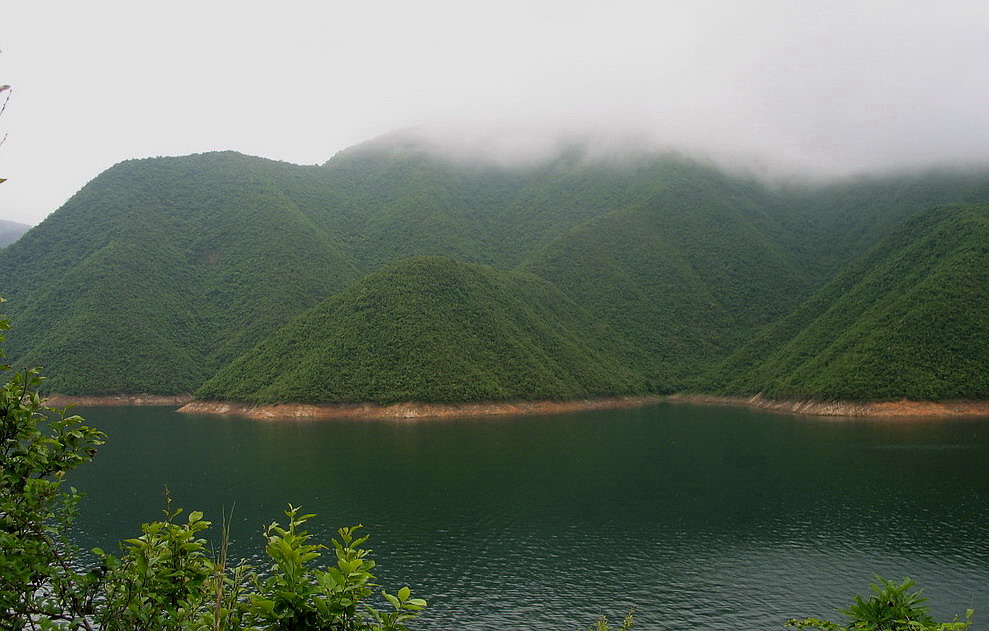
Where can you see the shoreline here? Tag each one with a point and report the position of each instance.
(904, 408)
(409, 410)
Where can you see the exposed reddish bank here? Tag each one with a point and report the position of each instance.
(409, 410)
(880, 409)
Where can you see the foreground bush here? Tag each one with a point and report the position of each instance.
(167, 579)
(890, 607)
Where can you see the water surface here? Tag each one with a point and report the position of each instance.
(712, 517)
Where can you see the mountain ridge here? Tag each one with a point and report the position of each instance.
(161, 272)
(11, 231)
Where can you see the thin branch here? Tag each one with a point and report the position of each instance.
(3, 108)
(5, 88)
(67, 596)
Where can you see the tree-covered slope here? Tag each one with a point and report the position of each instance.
(11, 231)
(432, 329)
(390, 200)
(695, 263)
(393, 203)
(909, 319)
(836, 223)
(160, 271)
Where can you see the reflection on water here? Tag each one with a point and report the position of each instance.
(720, 518)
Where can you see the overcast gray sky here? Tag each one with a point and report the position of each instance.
(832, 86)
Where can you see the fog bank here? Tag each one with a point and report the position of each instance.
(780, 87)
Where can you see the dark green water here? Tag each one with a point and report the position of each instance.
(699, 517)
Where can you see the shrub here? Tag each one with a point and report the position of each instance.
(890, 607)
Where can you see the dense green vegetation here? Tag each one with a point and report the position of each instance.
(841, 221)
(11, 231)
(890, 607)
(432, 329)
(682, 273)
(907, 320)
(160, 271)
(169, 275)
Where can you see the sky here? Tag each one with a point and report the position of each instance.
(780, 87)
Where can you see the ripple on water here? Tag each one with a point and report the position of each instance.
(718, 519)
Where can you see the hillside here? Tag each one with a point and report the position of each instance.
(431, 329)
(161, 272)
(840, 221)
(909, 319)
(683, 273)
(11, 231)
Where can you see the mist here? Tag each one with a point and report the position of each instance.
(780, 89)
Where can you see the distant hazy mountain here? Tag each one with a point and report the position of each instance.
(11, 231)
(571, 278)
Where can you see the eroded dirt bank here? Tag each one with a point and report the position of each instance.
(409, 410)
(62, 400)
(881, 409)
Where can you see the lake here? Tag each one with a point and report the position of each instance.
(699, 517)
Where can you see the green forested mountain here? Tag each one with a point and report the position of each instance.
(840, 221)
(160, 271)
(432, 329)
(682, 272)
(576, 277)
(909, 319)
(11, 231)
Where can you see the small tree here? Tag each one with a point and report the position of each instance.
(38, 445)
